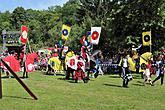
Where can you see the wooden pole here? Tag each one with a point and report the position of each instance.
(0, 84)
(29, 46)
(150, 41)
(19, 80)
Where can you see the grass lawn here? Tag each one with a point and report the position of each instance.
(103, 93)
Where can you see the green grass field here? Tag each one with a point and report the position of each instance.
(103, 93)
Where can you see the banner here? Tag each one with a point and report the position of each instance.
(24, 34)
(12, 62)
(29, 65)
(30, 62)
(65, 32)
(95, 35)
(72, 62)
(146, 38)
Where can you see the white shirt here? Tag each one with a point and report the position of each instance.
(125, 62)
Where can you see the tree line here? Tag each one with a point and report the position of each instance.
(119, 19)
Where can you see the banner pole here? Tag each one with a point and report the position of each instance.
(150, 42)
(29, 46)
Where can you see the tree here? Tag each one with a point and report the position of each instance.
(18, 17)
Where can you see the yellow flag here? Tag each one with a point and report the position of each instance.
(65, 31)
(146, 38)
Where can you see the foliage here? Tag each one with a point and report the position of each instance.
(119, 19)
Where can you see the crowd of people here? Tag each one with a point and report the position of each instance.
(79, 65)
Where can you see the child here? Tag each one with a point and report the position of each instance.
(146, 73)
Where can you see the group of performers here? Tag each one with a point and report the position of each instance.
(81, 64)
(78, 64)
(146, 64)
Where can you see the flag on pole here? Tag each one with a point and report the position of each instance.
(24, 34)
(95, 35)
(65, 32)
(72, 62)
(146, 38)
(30, 62)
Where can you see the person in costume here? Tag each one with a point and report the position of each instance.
(71, 64)
(85, 53)
(160, 72)
(80, 71)
(126, 76)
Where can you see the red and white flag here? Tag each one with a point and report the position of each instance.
(29, 65)
(30, 62)
(72, 62)
(24, 34)
(95, 35)
(12, 63)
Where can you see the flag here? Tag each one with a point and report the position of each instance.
(24, 34)
(95, 35)
(30, 62)
(72, 62)
(12, 62)
(146, 38)
(65, 32)
(29, 65)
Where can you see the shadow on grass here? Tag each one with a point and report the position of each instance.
(139, 83)
(137, 76)
(67, 80)
(7, 77)
(51, 74)
(71, 81)
(16, 97)
(112, 85)
(112, 76)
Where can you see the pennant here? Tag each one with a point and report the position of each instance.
(65, 32)
(95, 35)
(24, 34)
(146, 38)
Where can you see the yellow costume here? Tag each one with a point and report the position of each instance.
(55, 63)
